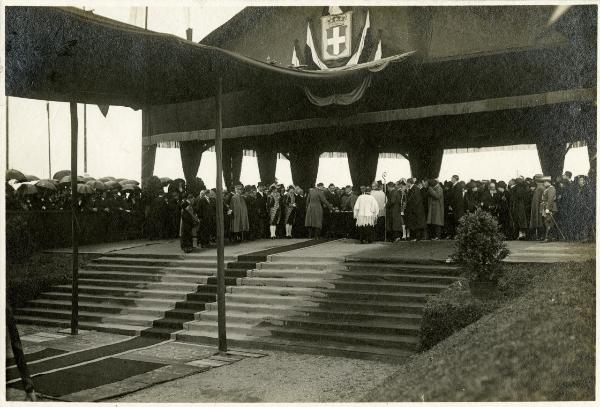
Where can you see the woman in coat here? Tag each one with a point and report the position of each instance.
(290, 210)
(518, 196)
(435, 212)
(314, 211)
(394, 212)
(188, 221)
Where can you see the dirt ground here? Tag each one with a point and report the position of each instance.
(278, 377)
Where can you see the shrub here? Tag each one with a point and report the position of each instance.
(19, 242)
(480, 246)
(450, 311)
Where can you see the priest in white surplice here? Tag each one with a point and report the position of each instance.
(366, 210)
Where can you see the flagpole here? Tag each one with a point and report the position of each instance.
(7, 145)
(49, 145)
(85, 139)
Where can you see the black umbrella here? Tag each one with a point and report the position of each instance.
(61, 174)
(16, 175)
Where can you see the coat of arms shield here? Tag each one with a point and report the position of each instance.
(336, 36)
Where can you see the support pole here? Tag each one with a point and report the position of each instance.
(7, 145)
(220, 227)
(49, 145)
(85, 139)
(74, 231)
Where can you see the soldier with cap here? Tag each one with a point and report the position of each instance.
(549, 207)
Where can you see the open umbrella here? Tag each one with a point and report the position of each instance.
(97, 185)
(129, 182)
(31, 178)
(84, 189)
(67, 180)
(87, 178)
(27, 189)
(120, 179)
(165, 181)
(16, 175)
(106, 179)
(130, 187)
(46, 184)
(61, 174)
(112, 185)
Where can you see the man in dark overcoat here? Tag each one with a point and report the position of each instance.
(414, 214)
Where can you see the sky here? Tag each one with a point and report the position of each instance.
(114, 142)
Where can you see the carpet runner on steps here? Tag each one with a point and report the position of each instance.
(321, 305)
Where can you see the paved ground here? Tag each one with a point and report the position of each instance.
(521, 251)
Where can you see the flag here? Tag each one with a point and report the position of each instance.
(311, 55)
(365, 37)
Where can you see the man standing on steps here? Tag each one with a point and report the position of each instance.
(315, 202)
(549, 207)
(414, 213)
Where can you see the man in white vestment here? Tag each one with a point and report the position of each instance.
(366, 210)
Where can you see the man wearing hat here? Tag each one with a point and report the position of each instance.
(549, 206)
(536, 221)
(262, 211)
(414, 213)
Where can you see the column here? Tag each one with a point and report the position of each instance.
(266, 157)
(362, 160)
(148, 151)
(425, 159)
(191, 155)
(232, 163)
(551, 152)
(304, 164)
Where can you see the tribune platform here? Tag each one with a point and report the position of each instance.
(150, 299)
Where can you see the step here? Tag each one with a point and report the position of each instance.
(117, 300)
(166, 277)
(330, 348)
(113, 308)
(343, 284)
(168, 256)
(373, 324)
(127, 319)
(438, 269)
(121, 329)
(137, 284)
(161, 333)
(285, 258)
(319, 293)
(241, 312)
(141, 261)
(300, 266)
(134, 294)
(174, 324)
(210, 271)
(206, 328)
(183, 313)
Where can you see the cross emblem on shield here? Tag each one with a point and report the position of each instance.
(336, 36)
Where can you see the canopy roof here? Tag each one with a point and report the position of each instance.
(67, 54)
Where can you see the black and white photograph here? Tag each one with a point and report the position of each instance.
(299, 202)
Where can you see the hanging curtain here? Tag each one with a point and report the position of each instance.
(340, 98)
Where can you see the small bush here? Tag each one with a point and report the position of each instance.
(480, 246)
(450, 311)
(19, 242)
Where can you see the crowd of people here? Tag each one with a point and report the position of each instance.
(535, 208)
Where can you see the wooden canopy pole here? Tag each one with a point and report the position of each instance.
(7, 145)
(85, 139)
(74, 228)
(49, 139)
(220, 227)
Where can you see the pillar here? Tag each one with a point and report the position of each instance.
(266, 157)
(552, 156)
(191, 155)
(148, 151)
(362, 160)
(233, 154)
(304, 164)
(425, 159)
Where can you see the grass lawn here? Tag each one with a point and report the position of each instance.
(536, 346)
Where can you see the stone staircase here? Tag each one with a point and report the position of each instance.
(124, 293)
(327, 306)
